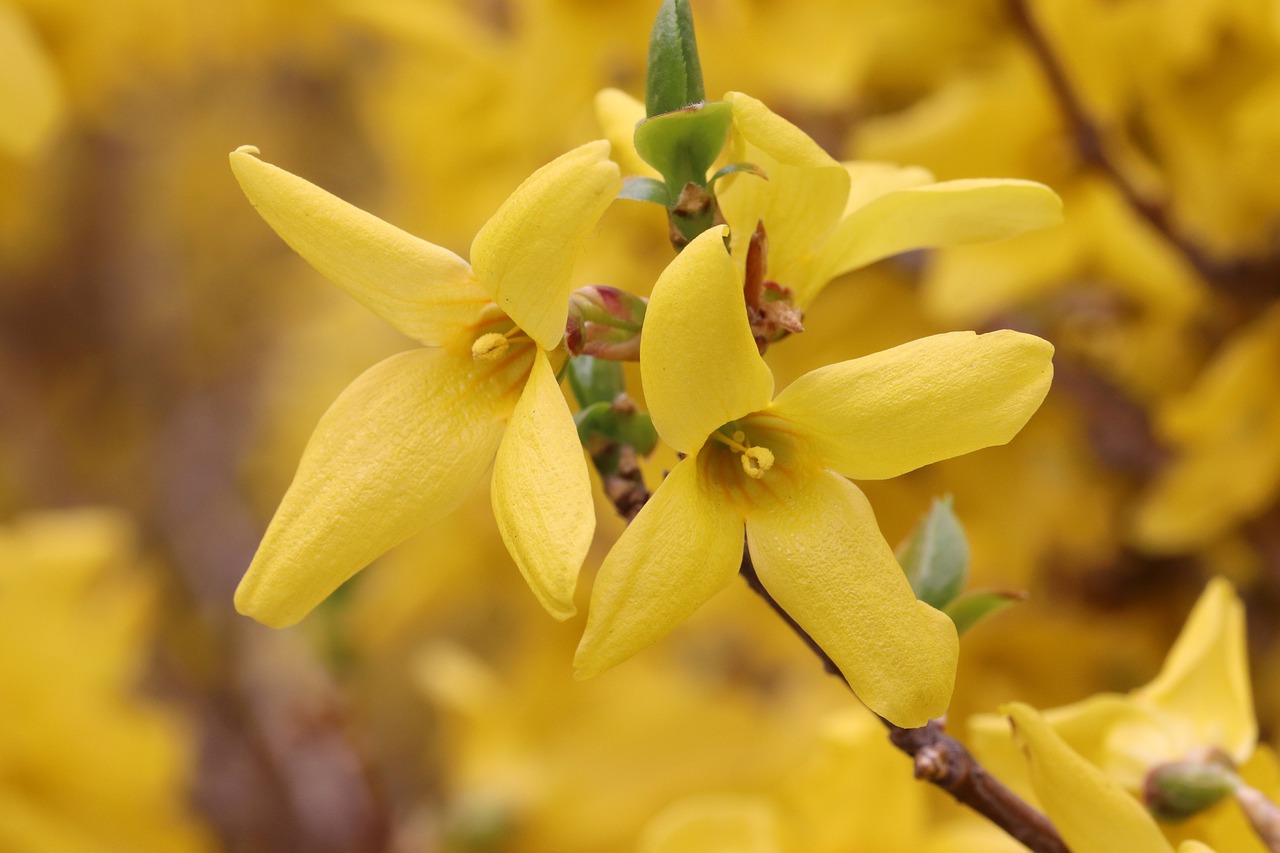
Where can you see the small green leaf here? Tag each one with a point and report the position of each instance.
(935, 556)
(645, 189)
(683, 145)
(973, 607)
(595, 380)
(735, 168)
(674, 77)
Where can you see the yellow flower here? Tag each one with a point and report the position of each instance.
(1090, 810)
(31, 99)
(411, 437)
(1199, 708)
(824, 218)
(777, 469)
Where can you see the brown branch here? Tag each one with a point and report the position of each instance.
(1243, 278)
(939, 759)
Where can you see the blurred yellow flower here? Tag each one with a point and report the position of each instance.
(411, 437)
(778, 468)
(1090, 810)
(31, 98)
(85, 763)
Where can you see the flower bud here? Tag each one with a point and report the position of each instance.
(605, 322)
(1182, 789)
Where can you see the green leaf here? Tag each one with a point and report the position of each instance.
(935, 556)
(645, 189)
(595, 380)
(973, 607)
(683, 145)
(734, 168)
(674, 77)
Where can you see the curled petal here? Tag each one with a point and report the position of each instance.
(758, 126)
(399, 448)
(1091, 811)
(820, 554)
(885, 414)
(423, 290)
(946, 214)
(698, 360)
(524, 255)
(683, 548)
(542, 493)
(1205, 679)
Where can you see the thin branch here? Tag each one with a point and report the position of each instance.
(1247, 278)
(940, 759)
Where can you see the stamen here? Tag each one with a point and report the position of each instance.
(490, 347)
(757, 460)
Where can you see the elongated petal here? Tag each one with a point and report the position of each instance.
(524, 255)
(1205, 679)
(683, 548)
(1090, 810)
(946, 214)
(31, 98)
(542, 494)
(821, 555)
(401, 447)
(868, 180)
(782, 141)
(423, 290)
(618, 113)
(698, 361)
(885, 414)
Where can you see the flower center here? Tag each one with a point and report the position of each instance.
(755, 460)
(492, 346)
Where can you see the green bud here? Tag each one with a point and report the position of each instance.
(1183, 789)
(605, 322)
(935, 556)
(674, 78)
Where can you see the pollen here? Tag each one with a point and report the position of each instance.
(757, 460)
(490, 347)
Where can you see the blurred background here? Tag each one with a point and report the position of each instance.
(164, 356)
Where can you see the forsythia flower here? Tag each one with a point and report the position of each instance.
(1090, 810)
(31, 99)
(777, 468)
(411, 437)
(1200, 704)
(824, 218)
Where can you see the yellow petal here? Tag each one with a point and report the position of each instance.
(821, 555)
(1090, 811)
(683, 548)
(542, 493)
(423, 290)
(942, 396)
(401, 447)
(31, 99)
(868, 180)
(1204, 683)
(946, 214)
(618, 114)
(757, 125)
(525, 253)
(698, 361)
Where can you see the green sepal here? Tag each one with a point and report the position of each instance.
(645, 189)
(595, 380)
(674, 77)
(683, 145)
(737, 168)
(935, 556)
(616, 426)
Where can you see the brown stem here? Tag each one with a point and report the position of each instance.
(1246, 278)
(940, 759)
